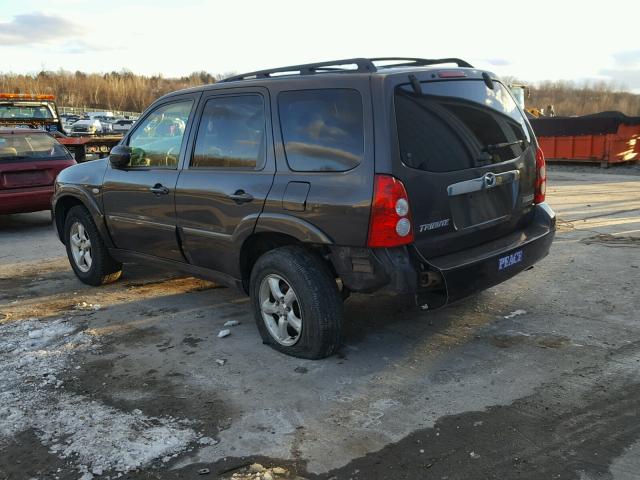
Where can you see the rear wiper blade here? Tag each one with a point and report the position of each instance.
(496, 146)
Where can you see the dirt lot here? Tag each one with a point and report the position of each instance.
(536, 378)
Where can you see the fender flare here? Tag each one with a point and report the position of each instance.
(258, 223)
(89, 202)
(295, 227)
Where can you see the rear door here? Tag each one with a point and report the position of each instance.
(467, 160)
(226, 178)
(139, 199)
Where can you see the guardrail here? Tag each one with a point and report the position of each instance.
(83, 110)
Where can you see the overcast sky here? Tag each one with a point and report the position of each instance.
(534, 40)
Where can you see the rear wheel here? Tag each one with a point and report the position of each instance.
(296, 302)
(88, 255)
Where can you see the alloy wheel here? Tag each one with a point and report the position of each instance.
(80, 247)
(280, 310)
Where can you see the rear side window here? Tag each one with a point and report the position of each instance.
(37, 146)
(231, 133)
(454, 125)
(322, 130)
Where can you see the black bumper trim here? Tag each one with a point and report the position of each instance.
(401, 271)
(479, 268)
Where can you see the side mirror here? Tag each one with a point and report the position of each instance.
(120, 156)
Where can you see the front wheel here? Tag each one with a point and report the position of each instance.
(88, 255)
(296, 303)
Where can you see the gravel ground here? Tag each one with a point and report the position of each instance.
(535, 378)
(631, 168)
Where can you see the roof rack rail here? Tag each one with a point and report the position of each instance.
(363, 65)
(419, 62)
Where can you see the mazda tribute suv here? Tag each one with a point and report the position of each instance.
(299, 185)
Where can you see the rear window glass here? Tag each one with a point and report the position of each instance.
(322, 130)
(38, 146)
(454, 125)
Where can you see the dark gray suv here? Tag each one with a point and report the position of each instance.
(413, 177)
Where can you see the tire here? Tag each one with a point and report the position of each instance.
(315, 305)
(99, 267)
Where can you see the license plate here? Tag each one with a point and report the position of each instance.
(508, 261)
(30, 178)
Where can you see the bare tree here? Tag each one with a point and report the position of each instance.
(124, 90)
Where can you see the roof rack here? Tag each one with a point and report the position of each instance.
(419, 62)
(362, 65)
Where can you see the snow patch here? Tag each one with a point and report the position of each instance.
(93, 436)
(515, 313)
(108, 439)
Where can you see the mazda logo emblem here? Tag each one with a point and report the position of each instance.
(489, 180)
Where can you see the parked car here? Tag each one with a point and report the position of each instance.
(302, 184)
(122, 125)
(102, 114)
(86, 127)
(106, 123)
(30, 160)
(69, 118)
(67, 121)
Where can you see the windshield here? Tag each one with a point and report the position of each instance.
(455, 125)
(17, 110)
(36, 146)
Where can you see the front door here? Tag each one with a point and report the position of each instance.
(139, 199)
(222, 190)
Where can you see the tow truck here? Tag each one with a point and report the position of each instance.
(23, 110)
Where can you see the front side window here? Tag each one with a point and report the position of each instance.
(231, 133)
(158, 139)
(322, 130)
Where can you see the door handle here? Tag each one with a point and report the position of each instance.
(159, 189)
(240, 196)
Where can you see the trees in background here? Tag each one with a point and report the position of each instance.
(571, 98)
(110, 91)
(126, 91)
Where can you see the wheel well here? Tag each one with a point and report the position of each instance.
(63, 205)
(260, 243)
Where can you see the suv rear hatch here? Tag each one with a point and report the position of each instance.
(467, 160)
(30, 160)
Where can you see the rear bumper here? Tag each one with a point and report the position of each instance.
(434, 282)
(24, 200)
(492, 263)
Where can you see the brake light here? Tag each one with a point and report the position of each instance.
(390, 224)
(451, 73)
(541, 177)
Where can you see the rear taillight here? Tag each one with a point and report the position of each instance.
(390, 224)
(541, 177)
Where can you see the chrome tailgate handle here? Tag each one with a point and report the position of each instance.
(488, 180)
